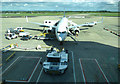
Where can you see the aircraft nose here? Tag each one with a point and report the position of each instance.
(60, 38)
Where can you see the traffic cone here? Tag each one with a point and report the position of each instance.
(17, 44)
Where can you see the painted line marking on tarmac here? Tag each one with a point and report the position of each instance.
(19, 81)
(30, 75)
(29, 57)
(1, 68)
(34, 69)
(73, 67)
(10, 65)
(83, 74)
(102, 71)
(86, 59)
(10, 56)
(39, 75)
(14, 62)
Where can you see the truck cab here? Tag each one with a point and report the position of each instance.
(56, 61)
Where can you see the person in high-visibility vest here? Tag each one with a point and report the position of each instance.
(11, 45)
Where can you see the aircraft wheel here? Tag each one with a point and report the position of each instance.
(61, 43)
(77, 33)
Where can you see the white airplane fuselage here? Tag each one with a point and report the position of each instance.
(61, 29)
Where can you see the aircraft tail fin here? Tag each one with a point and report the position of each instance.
(64, 13)
(26, 19)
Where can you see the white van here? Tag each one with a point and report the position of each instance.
(23, 34)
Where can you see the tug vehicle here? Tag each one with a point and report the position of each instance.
(26, 37)
(56, 62)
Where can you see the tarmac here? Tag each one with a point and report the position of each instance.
(92, 59)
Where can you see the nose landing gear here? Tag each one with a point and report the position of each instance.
(61, 43)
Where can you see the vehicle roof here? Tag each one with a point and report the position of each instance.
(53, 54)
(10, 33)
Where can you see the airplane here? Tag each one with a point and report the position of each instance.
(62, 28)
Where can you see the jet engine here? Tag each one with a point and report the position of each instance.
(49, 31)
(76, 31)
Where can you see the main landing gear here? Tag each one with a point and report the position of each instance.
(61, 43)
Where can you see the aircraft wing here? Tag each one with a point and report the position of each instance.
(42, 25)
(95, 22)
(70, 27)
(82, 25)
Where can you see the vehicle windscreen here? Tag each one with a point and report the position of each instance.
(50, 59)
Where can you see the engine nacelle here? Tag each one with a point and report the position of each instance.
(49, 31)
(76, 31)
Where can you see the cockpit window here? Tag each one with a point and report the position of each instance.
(50, 59)
(61, 32)
(58, 32)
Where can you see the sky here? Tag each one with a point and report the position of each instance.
(109, 1)
(59, 6)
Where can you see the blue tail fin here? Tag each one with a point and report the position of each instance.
(64, 13)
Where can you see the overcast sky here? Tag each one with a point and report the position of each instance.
(110, 1)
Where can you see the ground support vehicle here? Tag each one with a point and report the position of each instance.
(56, 61)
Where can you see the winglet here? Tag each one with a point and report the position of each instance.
(26, 19)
